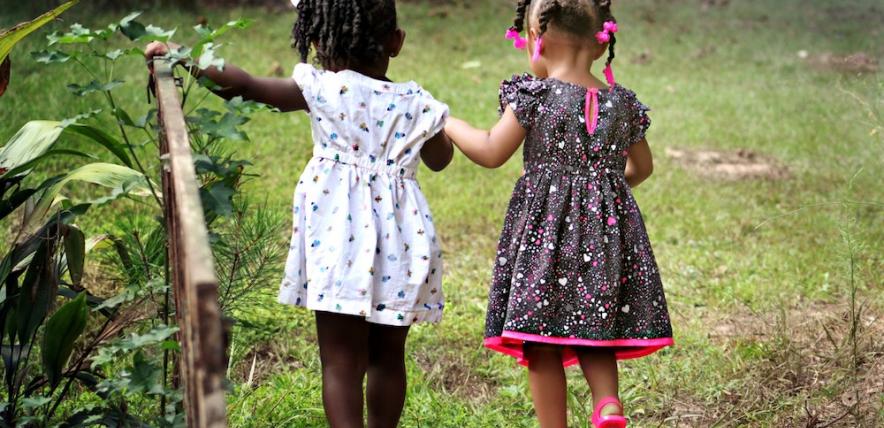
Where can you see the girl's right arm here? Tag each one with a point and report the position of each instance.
(282, 93)
(490, 149)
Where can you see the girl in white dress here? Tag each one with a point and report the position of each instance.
(364, 253)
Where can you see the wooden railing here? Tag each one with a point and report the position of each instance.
(202, 364)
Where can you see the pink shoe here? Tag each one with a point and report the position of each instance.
(610, 421)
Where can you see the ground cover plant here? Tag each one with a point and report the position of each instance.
(773, 278)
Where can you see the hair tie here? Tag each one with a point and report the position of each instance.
(519, 42)
(538, 45)
(608, 30)
(609, 76)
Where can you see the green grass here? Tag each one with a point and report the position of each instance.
(755, 259)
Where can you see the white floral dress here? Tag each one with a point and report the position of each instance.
(363, 241)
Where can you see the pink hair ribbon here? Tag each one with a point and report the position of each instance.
(609, 76)
(608, 30)
(538, 45)
(591, 110)
(519, 42)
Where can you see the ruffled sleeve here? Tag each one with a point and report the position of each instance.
(437, 113)
(524, 95)
(306, 77)
(636, 116)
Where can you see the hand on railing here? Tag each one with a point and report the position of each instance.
(159, 49)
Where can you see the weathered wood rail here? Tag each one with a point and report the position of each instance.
(202, 364)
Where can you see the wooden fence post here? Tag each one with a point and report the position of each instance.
(202, 365)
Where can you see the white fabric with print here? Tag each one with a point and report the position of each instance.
(363, 241)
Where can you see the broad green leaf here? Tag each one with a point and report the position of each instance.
(122, 180)
(129, 18)
(51, 57)
(75, 253)
(8, 205)
(39, 286)
(9, 38)
(218, 199)
(208, 59)
(123, 117)
(113, 55)
(36, 138)
(207, 34)
(77, 34)
(123, 253)
(245, 107)
(137, 32)
(80, 117)
(25, 168)
(144, 376)
(93, 86)
(110, 352)
(98, 242)
(31, 403)
(60, 333)
(102, 138)
(31, 141)
(142, 121)
(226, 127)
(132, 28)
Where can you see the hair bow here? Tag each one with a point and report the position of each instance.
(608, 30)
(519, 42)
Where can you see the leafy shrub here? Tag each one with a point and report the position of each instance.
(119, 349)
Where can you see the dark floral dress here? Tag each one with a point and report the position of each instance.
(574, 264)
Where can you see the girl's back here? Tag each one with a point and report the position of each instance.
(378, 125)
(363, 241)
(553, 112)
(363, 253)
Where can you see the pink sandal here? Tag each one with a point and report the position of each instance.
(609, 421)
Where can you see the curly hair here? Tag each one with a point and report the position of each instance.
(581, 18)
(343, 32)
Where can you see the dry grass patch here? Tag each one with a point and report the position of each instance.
(454, 373)
(811, 355)
(742, 164)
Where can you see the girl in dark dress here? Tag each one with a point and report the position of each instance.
(575, 279)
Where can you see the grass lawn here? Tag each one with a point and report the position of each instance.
(757, 272)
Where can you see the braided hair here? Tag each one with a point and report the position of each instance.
(345, 33)
(570, 16)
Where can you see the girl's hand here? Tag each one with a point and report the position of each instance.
(155, 49)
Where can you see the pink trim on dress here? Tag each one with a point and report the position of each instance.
(591, 110)
(511, 342)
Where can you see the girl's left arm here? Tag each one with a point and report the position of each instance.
(490, 149)
(233, 81)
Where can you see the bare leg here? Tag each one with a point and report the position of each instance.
(599, 367)
(546, 375)
(386, 375)
(343, 350)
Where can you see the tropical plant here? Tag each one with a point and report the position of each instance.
(45, 261)
(9, 38)
(125, 353)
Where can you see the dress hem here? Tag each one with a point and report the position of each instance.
(511, 343)
(388, 316)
